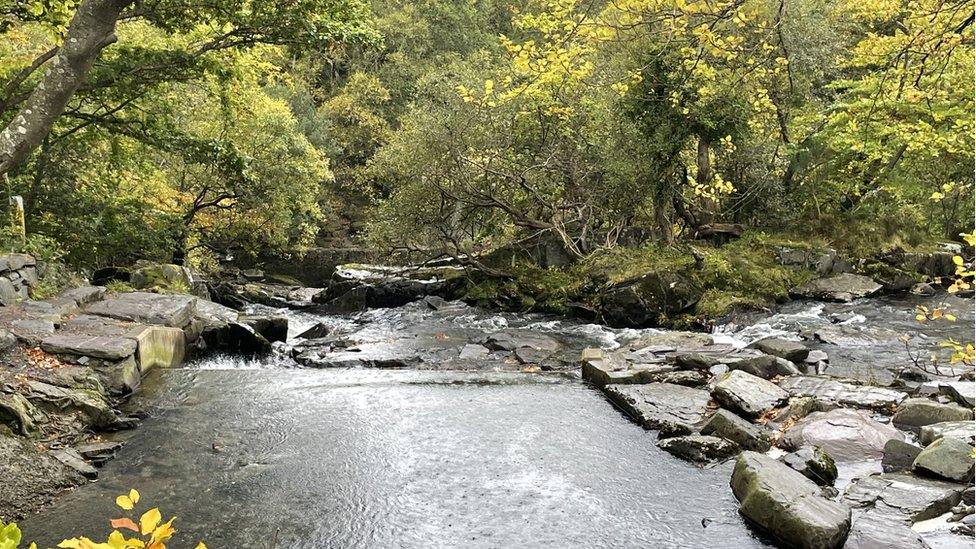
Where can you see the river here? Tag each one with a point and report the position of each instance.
(264, 453)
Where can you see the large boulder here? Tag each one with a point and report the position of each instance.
(107, 347)
(657, 405)
(748, 394)
(787, 504)
(899, 456)
(833, 392)
(847, 435)
(794, 351)
(843, 287)
(948, 458)
(729, 426)
(699, 448)
(235, 338)
(648, 299)
(915, 413)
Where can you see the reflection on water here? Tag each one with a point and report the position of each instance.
(402, 459)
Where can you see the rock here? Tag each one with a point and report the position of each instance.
(922, 288)
(747, 394)
(787, 504)
(529, 355)
(831, 391)
(962, 392)
(92, 407)
(969, 496)
(656, 404)
(793, 351)
(963, 430)
(31, 332)
(146, 308)
(31, 478)
(915, 413)
(643, 301)
(816, 355)
(159, 347)
(843, 287)
(213, 314)
(699, 448)
(109, 348)
(235, 338)
(813, 463)
(509, 341)
(98, 452)
(729, 426)
(899, 456)
(72, 459)
(272, 328)
(8, 293)
(318, 331)
(84, 295)
(948, 458)
(473, 351)
(688, 378)
(749, 361)
(878, 530)
(903, 496)
(847, 435)
(7, 340)
(435, 303)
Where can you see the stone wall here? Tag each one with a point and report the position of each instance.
(18, 273)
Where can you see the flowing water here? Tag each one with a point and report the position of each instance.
(263, 453)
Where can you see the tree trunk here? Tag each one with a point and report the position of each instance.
(704, 177)
(91, 29)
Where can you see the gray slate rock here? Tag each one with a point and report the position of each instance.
(813, 463)
(831, 391)
(318, 331)
(699, 448)
(72, 459)
(748, 394)
(473, 351)
(844, 287)
(175, 311)
(915, 413)
(508, 341)
(729, 426)
(899, 456)
(878, 530)
(109, 348)
(787, 504)
(793, 351)
(656, 404)
(904, 496)
(847, 435)
(962, 392)
(963, 430)
(84, 295)
(948, 458)
(98, 452)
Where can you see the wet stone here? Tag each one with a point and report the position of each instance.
(813, 463)
(654, 404)
(699, 448)
(915, 413)
(747, 394)
(963, 430)
(948, 458)
(727, 425)
(904, 496)
(72, 459)
(831, 391)
(962, 392)
(847, 435)
(878, 530)
(793, 351)
(507, 341)
(899, 456)
(98, 452)
(844, 287)
(473, 351)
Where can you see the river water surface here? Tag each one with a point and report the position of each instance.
(262, 454)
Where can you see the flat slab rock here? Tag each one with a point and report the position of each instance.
(748, 394)
(165, 310)
(843, 287)
(787, 504)
(107, 347)
(878, 530)
(847, 435)
(903, 496)
(832, 391)
(656, 405)
(963, 430)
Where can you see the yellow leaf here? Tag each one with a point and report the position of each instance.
(149, 520)
(957, 260)
(125, 502)
(201, 545)
(134, 496)
(950, 318)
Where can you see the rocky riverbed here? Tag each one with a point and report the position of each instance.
(810, 422)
